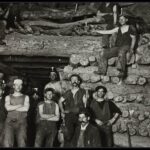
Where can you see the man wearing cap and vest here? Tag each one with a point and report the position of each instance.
(17, 105)
(47, 118)
(70, 104)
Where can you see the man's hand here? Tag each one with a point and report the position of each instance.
(99, 122)
(63, 115)
(110, 122)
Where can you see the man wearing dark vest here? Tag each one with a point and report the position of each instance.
(17, 105)
(47, 118)
(70, 104)
(86, 135)
(104, 114)
(125, 42)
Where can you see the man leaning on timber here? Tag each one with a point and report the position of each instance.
(17, 105)
(125, 42)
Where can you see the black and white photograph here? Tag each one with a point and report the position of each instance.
(74, 74)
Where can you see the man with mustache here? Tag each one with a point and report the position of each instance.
(86, 135)
(70, 104)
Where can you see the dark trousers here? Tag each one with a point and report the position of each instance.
(1, 133)
(12, 129)
(106, 135)
(46, 130)
(2, 30)
(71, 122)
(113, 52)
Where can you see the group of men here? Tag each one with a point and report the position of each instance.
(87, 119)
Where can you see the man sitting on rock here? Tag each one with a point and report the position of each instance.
(125, 42)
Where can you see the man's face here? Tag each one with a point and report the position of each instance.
(123, 20)
(17, 87)
(53, 76)
(75, 81)
(100, 93)
(1, 92)
(49, 95)
(83, 118)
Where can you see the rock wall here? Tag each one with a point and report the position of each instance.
(132, 96)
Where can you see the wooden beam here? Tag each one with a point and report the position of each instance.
(34, 59)
(34, 65)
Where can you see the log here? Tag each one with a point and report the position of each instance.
(141, 117)
(110, 95)
(84, 62)
(146, 102)
(45, 45)
(92, 60)
(140, 98)
(105, 79)
(115, 80)
(132, 79)
(63, 25)
(95, 78)
(118, 99)
(141, 81)
(136, 114)
(131, 97)
(146, 114)
(143, 131)
(125, 114)
(74, 60)
(68, 69)
(85, 77)
(132, 131)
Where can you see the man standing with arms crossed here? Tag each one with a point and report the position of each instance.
(17, 105)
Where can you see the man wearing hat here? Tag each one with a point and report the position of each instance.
(17, 105)
(70, 104)
(54, 83)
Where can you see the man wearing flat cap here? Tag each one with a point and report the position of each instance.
(70, 104)
(17, 106)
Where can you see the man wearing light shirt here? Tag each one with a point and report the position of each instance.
(17, 105)
(48, 116)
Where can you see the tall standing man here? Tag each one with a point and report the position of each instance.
(104, 114)
(17, 105)
(70, 104)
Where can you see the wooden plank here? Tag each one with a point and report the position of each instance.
(34, 59)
